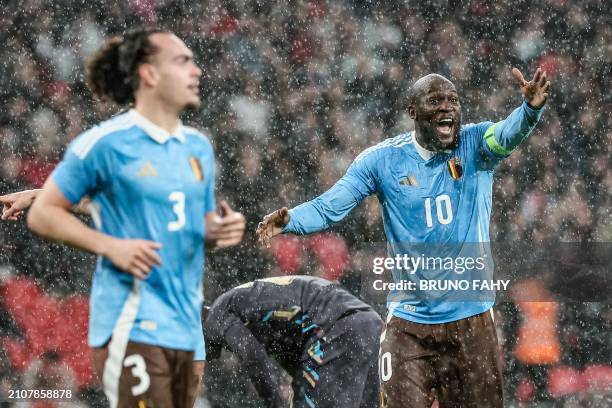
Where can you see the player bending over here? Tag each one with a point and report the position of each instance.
(324, 337)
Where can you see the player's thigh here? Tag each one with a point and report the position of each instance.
(406, 367)
(479, 382)
(186, 379)
(139, 376)
(371, 391)
(337, 384)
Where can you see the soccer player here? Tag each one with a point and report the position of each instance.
(435, 186)
(324, 337)
(151, 184)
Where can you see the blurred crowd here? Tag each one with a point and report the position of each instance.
(293, 91)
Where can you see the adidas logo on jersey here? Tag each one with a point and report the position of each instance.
(409, 181)
(147, 170)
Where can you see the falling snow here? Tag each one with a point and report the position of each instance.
(292, 92)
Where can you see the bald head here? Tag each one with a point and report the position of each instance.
(425, 84)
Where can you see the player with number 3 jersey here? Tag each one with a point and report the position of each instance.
(151, 183)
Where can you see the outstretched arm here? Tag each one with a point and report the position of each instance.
(14, 204)
(327, 209)
(503, 137)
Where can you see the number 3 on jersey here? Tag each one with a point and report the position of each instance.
(444, 210)
(178, 200)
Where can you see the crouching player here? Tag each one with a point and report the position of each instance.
(324, 337)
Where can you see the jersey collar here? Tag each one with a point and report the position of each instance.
(157, 133)
(423, 152)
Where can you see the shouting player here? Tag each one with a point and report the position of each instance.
(435, 186)
(324, 337)
(150, 180)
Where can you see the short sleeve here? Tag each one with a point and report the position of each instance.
(78, 174)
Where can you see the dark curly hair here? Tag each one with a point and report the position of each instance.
(112, 72)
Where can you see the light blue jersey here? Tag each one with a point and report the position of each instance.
(433, 205)
(145, 184)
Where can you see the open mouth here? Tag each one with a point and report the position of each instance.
(444, 127)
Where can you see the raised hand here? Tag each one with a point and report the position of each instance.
(534, 91)
(14, 204)
(272, 225)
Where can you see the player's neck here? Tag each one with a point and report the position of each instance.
(159, 114)
(423, 143)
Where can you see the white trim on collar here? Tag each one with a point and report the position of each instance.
(157, 133)
(423, 152)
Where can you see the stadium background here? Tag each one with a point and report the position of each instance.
(292, 93)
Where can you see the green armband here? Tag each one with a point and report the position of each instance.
(495, 147)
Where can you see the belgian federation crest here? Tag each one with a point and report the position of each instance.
(454, 168)
(196, 167)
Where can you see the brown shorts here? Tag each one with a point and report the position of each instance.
(147, 376)
(454, 362)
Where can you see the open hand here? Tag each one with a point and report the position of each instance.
(534, 91)
(272, 225)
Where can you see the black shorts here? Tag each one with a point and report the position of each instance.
(454, 362)
(340, 368)
(147, 376)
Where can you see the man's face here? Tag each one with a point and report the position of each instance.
(437, 114)
(177, 77)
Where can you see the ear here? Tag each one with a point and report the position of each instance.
(148, 75)
(412, 112)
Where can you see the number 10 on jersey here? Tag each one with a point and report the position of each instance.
(444, 210)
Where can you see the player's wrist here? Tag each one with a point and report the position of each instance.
(533, 107)
(104, 246)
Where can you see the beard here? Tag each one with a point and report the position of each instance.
(431, 138)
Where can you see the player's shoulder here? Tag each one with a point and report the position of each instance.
(196, 136)
(384, 148)
(101, 133)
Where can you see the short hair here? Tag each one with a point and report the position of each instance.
(420, 85)
(112, 72)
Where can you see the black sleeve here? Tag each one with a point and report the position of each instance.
(260, 367)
